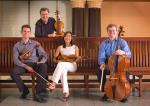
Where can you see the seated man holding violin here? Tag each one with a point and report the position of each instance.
(117, 47)
(27, 60)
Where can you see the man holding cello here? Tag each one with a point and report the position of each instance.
(113, 51)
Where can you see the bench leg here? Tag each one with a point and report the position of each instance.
(0, 91)
(86, 78)
(140, 86)
(33, 85)
(133, 83)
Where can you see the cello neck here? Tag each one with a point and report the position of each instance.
(118, 37)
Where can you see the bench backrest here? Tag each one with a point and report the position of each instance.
(140, 49)
(88, 50)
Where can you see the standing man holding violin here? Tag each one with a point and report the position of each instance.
(108, 48)
(45, 25)
(27, 60)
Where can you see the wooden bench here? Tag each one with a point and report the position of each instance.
(140, 61)
(87, 66)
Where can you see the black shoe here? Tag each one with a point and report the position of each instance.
(124, 100)
(44, 94)
(24, 94)
(104, 98)
(39, 98)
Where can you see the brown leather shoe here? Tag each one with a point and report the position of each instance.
(66, 97)
(51, 86)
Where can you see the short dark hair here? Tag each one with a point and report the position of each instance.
(111, 25)
(25, 26)
(44, 9)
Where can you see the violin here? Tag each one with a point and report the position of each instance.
(117, 87)
(69, 58)
(27, 53)
(59, 25)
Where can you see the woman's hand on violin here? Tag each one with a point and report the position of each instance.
(119, 52)
(78, 59)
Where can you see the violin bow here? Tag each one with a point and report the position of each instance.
(103, 67)
(41, 77)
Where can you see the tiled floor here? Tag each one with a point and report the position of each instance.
(79, 97)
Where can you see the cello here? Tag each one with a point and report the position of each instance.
(117, 86)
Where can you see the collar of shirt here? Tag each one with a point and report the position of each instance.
(29, 41)
(49, 20)
(109, 40)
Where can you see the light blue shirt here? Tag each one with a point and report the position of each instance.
(107, 48)
(33, 47)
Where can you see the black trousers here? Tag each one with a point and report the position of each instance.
(40, 68)
(99, 75)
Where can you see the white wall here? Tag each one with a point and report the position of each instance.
(13, 14)
(134, 16)
(0, 17)
(64, 8)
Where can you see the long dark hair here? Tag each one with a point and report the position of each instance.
(71, 42)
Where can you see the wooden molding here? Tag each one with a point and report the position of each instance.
(78, 3)
(94, 3)
(129, 0)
